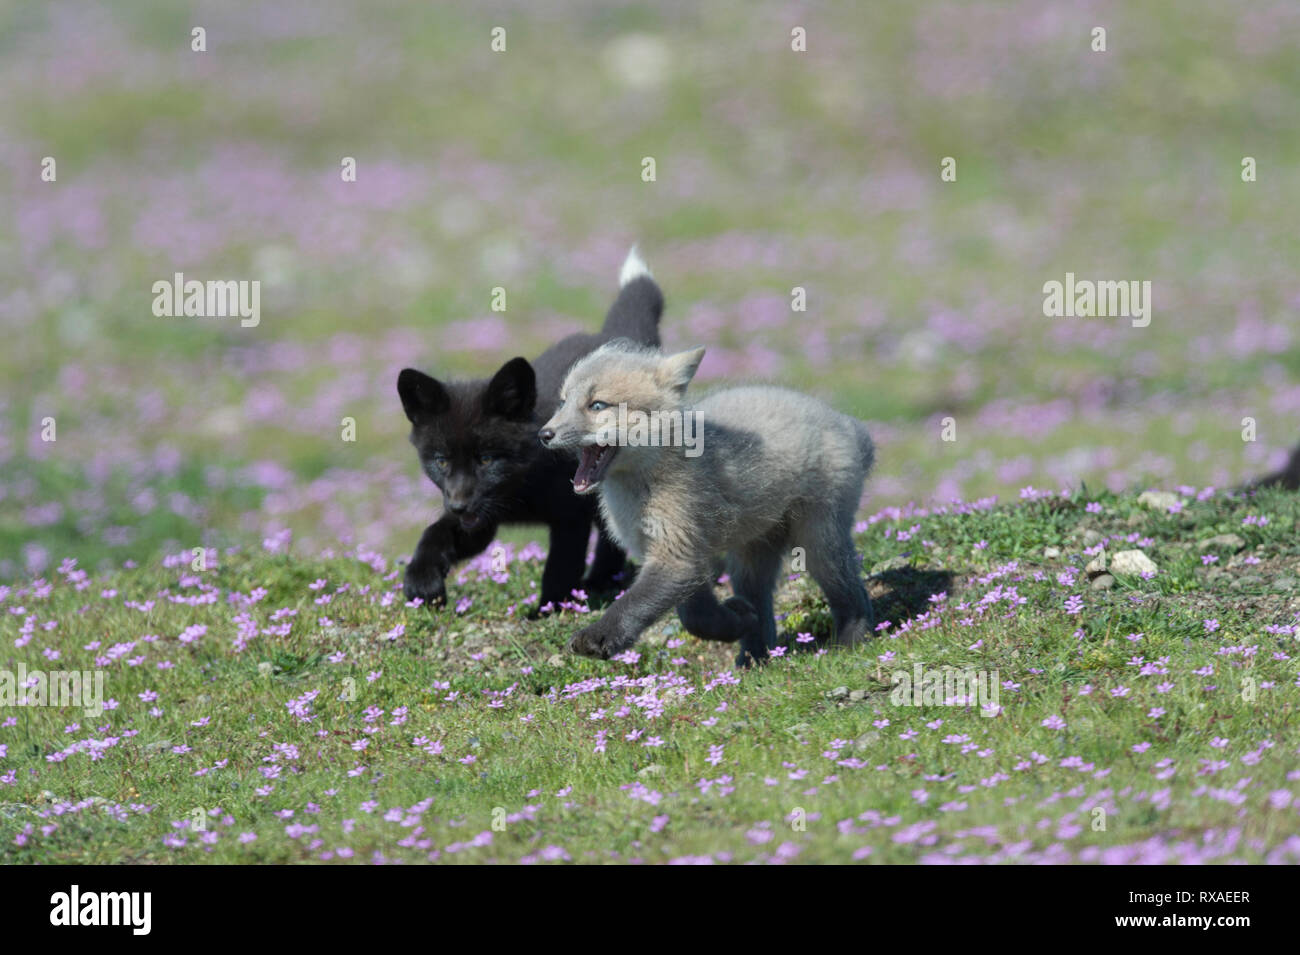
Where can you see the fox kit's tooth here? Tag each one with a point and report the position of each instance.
(633, 268)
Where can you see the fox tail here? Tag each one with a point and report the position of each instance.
(1288, 478)
(635, 313)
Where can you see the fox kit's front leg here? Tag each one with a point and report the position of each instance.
(442, 544)
(660, 586)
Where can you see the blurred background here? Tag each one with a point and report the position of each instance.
(523, 169)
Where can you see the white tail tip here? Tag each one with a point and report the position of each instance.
(633, 268)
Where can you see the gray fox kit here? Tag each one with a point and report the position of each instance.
(745, 473)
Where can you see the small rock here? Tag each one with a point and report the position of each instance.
(1222, 542)
(1248, 582)
(857, 696)
(654, 769)
(1158, 500)
(894, 563)
(799, 730)
(1051, 553)
(1097, 565)
(1284, 583)
(555, 660)
(866, 740)
(1132, 562)
(839, 693)
(1103, 582)
(158, 746)
(1091, 538)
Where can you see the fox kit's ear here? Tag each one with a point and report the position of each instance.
(676, 371)
(422, 396)
(512, 392)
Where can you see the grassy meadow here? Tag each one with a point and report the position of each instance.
(284, 707)
(278, 701)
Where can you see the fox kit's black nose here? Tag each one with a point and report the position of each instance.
(547, 435)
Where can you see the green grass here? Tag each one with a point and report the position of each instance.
(807, 769)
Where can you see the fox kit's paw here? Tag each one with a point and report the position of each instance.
(603, 585)
(426, 583)
(753, 648)
(595, 641)
(749, 631)
(547, 608)
(746, 617)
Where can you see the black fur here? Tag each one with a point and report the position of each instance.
(477, 441)
(1288, 478)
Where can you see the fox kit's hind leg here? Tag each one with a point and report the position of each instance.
(753, 577)
(607, 564)
(702, 616)
(834, 564)
(564, 561)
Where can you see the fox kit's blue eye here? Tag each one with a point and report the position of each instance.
(597, 406)
(440, 462)
(486, 458)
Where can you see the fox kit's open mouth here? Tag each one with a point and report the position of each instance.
(592, 465)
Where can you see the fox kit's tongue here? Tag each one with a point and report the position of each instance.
(592, 464)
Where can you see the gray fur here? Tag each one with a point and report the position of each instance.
(778, 470)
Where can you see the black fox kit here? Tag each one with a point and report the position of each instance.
(477, 441)
(1288, 478)
(752, 473)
